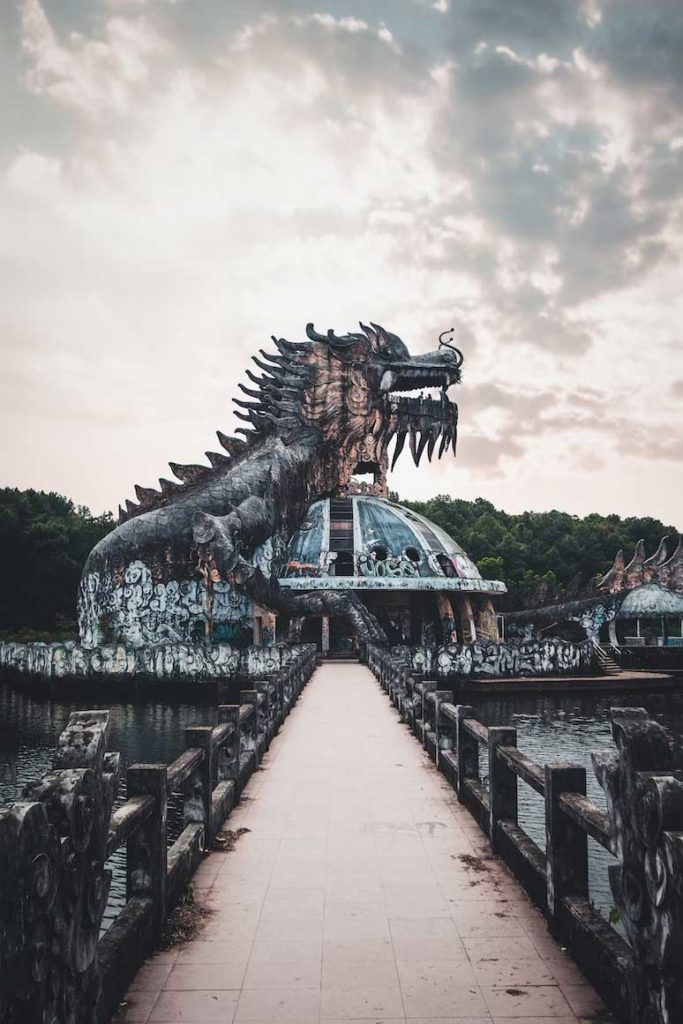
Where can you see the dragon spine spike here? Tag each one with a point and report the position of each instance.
(261, 381)
(189, 474)
(131, 508)
(122, 515)
(169, 488)
(676, 555)
(249, 391)
(638, 556)
(660, 556)
(232, 445)
(217, 459)
(266, 367)
(248, 405)
(146, 495)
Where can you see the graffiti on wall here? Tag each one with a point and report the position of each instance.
(481, 659)
(141, 609)
(393, 566)
(163, 662)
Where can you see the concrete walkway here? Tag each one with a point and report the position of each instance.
(362, 892)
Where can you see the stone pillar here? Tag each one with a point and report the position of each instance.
(447, 619)
(325, 634)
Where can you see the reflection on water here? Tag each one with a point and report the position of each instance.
(568, 728)
(29, 730)
(562, 728)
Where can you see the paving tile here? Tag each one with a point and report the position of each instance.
(493, 973)
(138, 1005)
(353, 898)
(349, 974)
(526, 1002)
(229, 951)
(436, 975)
(583, 999)
(151, 976)
(287, 950)
(426, 939)
(352, 950)
(490, 948)
(299, 1006)
(360, 1002)
(200, 977)
(283, 974)
(443, 1001)
(194, 1006)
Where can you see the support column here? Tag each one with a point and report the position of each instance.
(325, 634)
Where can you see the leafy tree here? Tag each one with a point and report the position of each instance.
(44, 542)
(543, 557)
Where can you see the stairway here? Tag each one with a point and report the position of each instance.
(605, 661)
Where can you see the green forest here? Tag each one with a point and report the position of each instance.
(542, 556)
(44, 541)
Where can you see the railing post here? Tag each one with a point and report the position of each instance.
(443, 727)
(227, 757)
(146, 853)
(502, 782)
(249, 738)
(566, 841)
(200, 736)
(268, 709)
(427, 686)
(468, 750)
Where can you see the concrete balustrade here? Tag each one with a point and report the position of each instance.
(54, 883)
(640, 979)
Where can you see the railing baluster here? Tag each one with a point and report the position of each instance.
(502, 782)
(146, 858)
(566, 842)
(467, 749)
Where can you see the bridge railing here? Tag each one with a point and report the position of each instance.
(640, 977)
(55, 843)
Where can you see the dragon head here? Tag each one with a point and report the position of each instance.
(342, 393)
(346, 390)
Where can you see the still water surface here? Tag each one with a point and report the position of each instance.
(558, 728)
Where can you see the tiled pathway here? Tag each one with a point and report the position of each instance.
(362, 891)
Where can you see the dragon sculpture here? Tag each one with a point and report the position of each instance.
(320, 411)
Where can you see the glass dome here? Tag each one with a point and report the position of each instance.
(367, 542)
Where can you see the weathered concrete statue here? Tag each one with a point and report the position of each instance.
(322, 410)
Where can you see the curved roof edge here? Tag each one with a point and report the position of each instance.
(440, 583)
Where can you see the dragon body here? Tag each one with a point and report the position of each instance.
(196, 551)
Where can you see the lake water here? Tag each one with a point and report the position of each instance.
(561, 728)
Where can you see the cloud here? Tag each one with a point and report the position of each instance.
(182, 180)
(91, 75)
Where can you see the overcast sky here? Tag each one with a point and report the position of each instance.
(180, 179)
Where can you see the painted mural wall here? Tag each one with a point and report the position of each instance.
(194, 662)
(140, 608)
(482, 660)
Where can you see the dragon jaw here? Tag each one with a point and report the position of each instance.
(344, 392)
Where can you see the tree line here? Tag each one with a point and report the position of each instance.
(44, 541)
(542, 556)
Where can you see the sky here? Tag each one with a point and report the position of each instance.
(181, 179)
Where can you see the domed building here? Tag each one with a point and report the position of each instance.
(421, 585)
